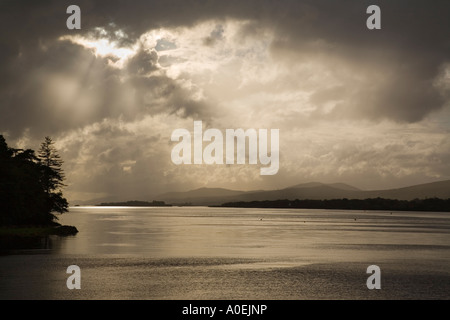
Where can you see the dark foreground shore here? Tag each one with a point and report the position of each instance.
(31, 237)
(37, 231)
(108, 277)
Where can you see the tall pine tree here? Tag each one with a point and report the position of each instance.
(52, 176)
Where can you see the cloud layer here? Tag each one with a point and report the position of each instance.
(354, 105)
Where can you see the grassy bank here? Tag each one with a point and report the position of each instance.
(37, 231)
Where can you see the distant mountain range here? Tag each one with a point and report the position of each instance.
(311, 191)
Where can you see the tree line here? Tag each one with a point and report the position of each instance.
(31, 185)
(430, 204)
(135, 203)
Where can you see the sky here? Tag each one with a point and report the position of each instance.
(370, 108)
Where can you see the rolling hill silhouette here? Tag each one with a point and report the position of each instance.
(312, 191)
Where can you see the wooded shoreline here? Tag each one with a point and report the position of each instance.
(431, 204)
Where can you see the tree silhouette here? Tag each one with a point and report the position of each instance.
(52, 176)
(30, 185)
(52, 173)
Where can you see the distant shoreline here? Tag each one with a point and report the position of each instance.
(134, 203)
(431, 204)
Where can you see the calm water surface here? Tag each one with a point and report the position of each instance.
(236, 253)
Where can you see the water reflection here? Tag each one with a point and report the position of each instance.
(249, 233)
(16, 244)
(242, 233)
(226, 253)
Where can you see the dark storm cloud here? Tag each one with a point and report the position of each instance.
(61, 86)
(34, 99)
(400, 62)
(49, 86)
(413, 44)
(143, 62)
